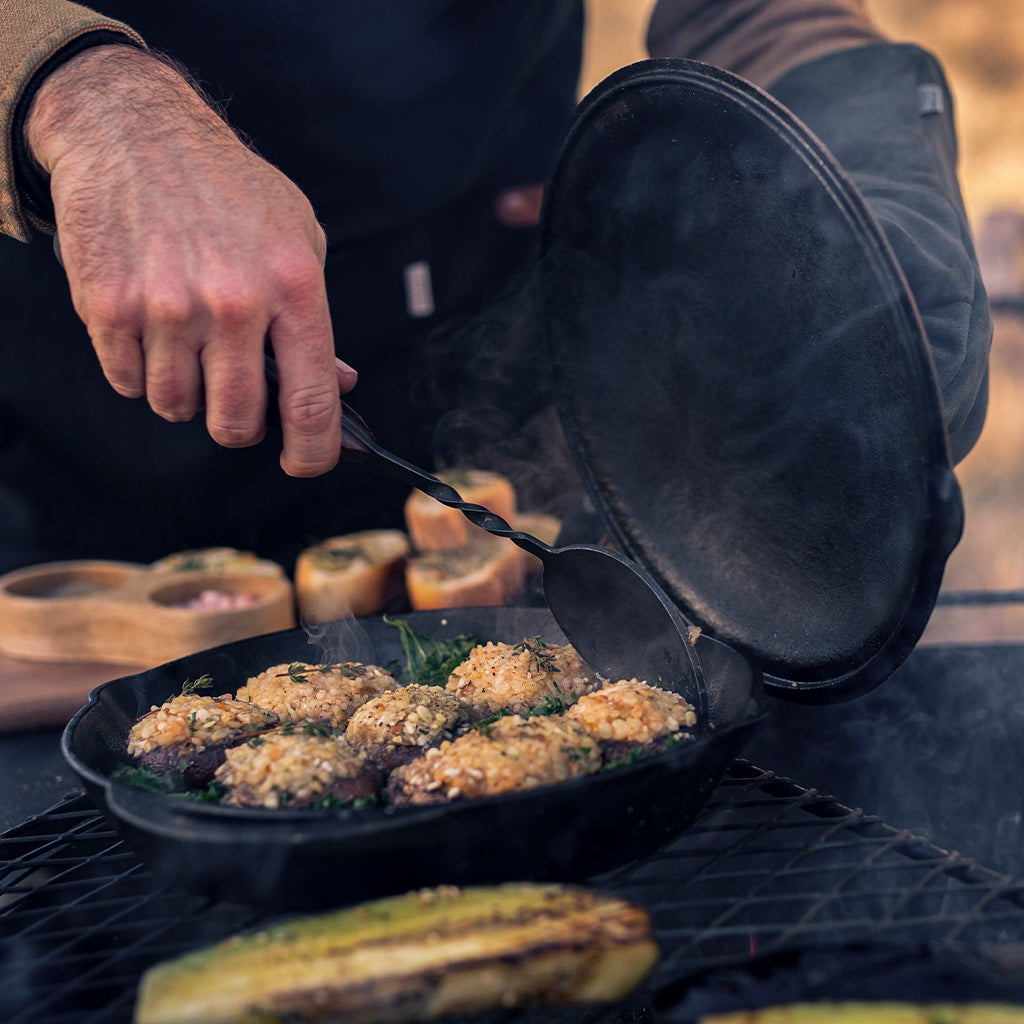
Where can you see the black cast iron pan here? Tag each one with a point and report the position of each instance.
(293, 860)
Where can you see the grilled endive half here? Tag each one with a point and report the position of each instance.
(409, 957)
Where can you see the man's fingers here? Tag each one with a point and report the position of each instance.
(311, 423)
(309, 384)
(235, 393)
(231, 356)
(347, 377)
(185, 251)
(123, 363)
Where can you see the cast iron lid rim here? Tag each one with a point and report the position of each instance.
(944, 525)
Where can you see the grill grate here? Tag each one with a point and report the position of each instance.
(768, 867)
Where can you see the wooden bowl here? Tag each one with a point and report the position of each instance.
(127, 614)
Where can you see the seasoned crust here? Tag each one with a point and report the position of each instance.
(510, 754)
(398, 725)
(519, 678)
(300, 692)
(630, 715)
(188, 734)
(296, 765)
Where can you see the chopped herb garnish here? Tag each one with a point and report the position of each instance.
(318, 729)
(339, 558)
(214, 793)
(541, 656)
(297, 671)
(430, 662)
(484, 725)
(257, 741)
(633, 756)
(146, 778)
(191, 685)
(548, 706)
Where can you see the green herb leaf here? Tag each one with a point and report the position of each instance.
(202, 683)
(318, 729)
(548, 706)
(214, 793)
(191, 685)
(430, 662)
(484, 725)
(147, 779)
(541, 656)
(297, 670)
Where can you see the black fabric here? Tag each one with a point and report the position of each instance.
(381, 116)
(886, 114)
(86, 473)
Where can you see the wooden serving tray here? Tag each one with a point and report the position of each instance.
(121, 613)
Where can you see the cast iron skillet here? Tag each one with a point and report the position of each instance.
(307, 859)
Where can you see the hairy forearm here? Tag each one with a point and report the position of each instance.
(108, 96)
(35, 36)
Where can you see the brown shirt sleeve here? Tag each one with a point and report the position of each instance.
(31, 33)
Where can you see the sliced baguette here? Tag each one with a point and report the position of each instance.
(485, 571)
(542, 526)
(434, 527)
(355, 574)
(412, 957)
(217, 560)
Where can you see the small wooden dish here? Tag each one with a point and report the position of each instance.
(128, 614)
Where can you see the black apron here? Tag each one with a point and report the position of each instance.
(401, 127)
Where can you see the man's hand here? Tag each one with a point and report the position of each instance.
(185, 253)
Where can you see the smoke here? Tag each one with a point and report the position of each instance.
(491, 373)
(339, 640)
(935, 749)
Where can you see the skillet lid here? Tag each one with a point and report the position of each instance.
(744, 379)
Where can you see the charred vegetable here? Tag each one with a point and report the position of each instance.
(416, 956)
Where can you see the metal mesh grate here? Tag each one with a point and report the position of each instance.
(771, 866)
(768, 866)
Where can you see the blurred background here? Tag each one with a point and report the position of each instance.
(981, 46)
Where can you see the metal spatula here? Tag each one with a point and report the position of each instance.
(610, 610)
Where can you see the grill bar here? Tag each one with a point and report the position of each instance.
(769, 867)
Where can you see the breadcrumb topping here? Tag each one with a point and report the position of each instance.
(299, 692)
(288, 765)
(633, 712)
(191, 720)
(411, 716)
(509, 754)
(519, 677)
